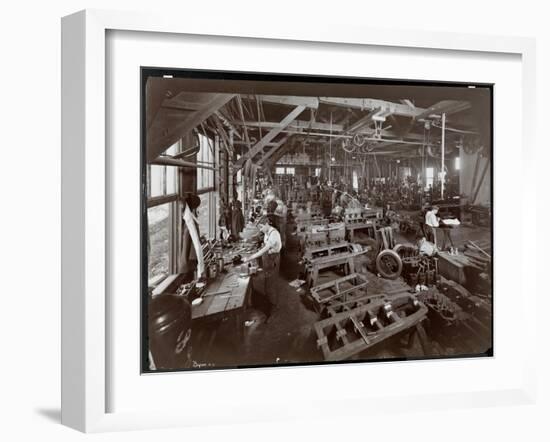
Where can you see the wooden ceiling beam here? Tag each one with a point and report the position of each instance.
(309, 102)
(157, 145)
(258, 147)
(296, 124)
(244, 143)
(362, 122)
(372, 104)
(270, 152)
(336, 128)
(444, 107)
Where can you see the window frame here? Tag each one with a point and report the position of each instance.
(174, 210)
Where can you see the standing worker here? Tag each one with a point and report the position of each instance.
(432, 223)
(270, 254)
(237, 219)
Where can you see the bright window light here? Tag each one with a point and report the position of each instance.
(429, 177)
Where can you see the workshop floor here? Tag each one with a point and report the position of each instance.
(289, 337)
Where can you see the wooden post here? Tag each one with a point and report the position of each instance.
(474, 178)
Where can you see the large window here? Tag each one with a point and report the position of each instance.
(158, 218)
(162, 180)
(205, 157)
(208, 214)
(285, 171)
(208, 209)
(429, 177)
(162, 194)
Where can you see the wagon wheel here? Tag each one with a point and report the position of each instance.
(389, 264)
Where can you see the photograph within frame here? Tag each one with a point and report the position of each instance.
(336, 183)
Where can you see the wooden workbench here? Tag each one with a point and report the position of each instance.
(218, 305)
(452, 266)
(370, 226)
(318, 264)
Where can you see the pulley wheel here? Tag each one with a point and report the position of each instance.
(389, 264)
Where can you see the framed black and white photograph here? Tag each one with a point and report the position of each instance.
(253, 214)
(303, 220)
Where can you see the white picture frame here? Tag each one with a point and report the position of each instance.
(86, 350)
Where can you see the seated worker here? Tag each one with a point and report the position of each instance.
(271, 258)
(169, 325)
(426, 248)
(432, 223)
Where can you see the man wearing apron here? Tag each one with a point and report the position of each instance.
(270, 254)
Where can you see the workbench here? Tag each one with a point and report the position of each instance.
(316, 265)
(369, 226)
(225, 297)
(453, 266)
(338, 254)
(359, 219)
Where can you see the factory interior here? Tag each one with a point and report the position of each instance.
(296, 221)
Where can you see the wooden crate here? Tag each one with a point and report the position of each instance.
(341, 290)
(348, 333)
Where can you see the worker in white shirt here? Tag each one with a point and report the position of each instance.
(432, 223)
(271, 258)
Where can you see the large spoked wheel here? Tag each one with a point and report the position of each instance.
(389, 264)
